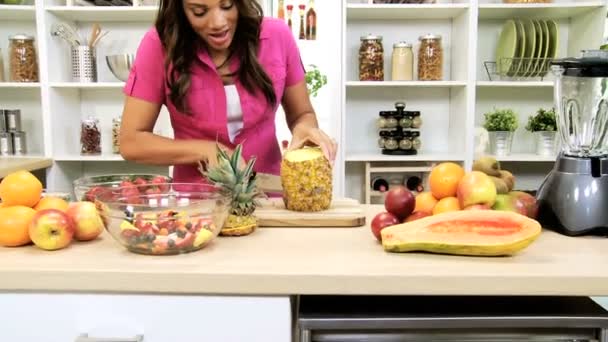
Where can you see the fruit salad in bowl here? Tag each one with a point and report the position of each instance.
(85, 188)
(163, 218)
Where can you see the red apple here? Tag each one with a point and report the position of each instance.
(381, 221)
(417, 215)
(400, 202)
(87, 221)
(51, 229)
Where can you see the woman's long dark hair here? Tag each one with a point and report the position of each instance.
(181, 43)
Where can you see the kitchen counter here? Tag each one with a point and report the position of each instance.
(12, 164)
(281, 261)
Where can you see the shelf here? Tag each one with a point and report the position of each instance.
(515, 84)
(377, 157)
(407, 11)
(92, 85)
(539, 10)
(418, 84)
(20, 85)
(103, 157)
(17, 12)
(105, 13)
(526, 157)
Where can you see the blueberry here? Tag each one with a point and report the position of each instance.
(181, 233)
(188, 225)
(171, 243)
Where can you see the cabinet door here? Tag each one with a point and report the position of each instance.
(64, 317)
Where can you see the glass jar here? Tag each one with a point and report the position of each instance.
(416, 119)
(23, 63)
(90, 136)
(371, 59)
(116, 135)
(403, 62)
(2, 79)
(430, 58)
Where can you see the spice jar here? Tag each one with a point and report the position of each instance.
(1, 67)
(23, 61)
(6, 144)
(371, 59)
(116, 135)
(430, 58)
(90, 136)
(416, 120)
(19, 143)
(403, 62)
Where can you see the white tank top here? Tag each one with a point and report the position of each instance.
(235, 112)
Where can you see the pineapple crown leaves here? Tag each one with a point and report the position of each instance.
(237, 183)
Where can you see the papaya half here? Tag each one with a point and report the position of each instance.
(466, 232)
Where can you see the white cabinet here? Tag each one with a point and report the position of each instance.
(64, 317)
(452, 108)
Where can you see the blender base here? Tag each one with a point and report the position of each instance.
(573, 198)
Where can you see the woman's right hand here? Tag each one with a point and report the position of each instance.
(210, 159)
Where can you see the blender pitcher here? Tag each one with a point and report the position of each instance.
(581, 107)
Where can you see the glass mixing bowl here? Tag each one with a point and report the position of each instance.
(165, 218)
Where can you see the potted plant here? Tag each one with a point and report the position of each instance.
(500, 124)
(544, 127)
(315, 80)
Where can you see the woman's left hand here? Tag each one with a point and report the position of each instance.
(314, 136)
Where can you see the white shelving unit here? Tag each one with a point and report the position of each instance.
(450, 109)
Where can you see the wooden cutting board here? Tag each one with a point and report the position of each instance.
(344, 212)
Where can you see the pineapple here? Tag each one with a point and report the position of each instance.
(240, 186)
(306, 177)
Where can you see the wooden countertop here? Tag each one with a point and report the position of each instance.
(311, 261)
(12, 164)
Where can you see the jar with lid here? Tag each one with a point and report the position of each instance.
(430, 58)
(116, 135)
(416, 120)
(23, 62)
(90, 136)
(2, 79)
(403, 62)
(371, 58)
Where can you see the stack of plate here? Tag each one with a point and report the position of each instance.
(526, 47)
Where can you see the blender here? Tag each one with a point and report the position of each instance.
(573, 198)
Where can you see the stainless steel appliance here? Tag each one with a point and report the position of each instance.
(450, 319)
(574, 196)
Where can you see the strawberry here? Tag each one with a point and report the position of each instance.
(161, 182)
(140, 181)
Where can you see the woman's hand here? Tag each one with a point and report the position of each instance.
(314, 136)
(211, 161)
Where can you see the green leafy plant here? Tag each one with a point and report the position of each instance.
(315, 80)
(501, 120)
(544, 120)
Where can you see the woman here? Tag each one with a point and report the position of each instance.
(221, 69)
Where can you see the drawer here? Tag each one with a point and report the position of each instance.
(158, 318)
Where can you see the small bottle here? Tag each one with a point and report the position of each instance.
(281, 10)
(6, 144)
(403, 62)
(2, 78)
(302, 8)
(311, 22)
(90, 136)
(289, 13)
(379, 184)
(116, 135)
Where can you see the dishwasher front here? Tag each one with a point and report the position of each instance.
(450, 319)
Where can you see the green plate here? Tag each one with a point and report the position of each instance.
(543, 63)
(506, 47)
(530, 43)
(553, 38)
(540, 48)
(521, 50)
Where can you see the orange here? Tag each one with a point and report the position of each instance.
(14, 225)
(444, 179)
(425, 202)
(52, 203)
(20, 188)
(446, 204)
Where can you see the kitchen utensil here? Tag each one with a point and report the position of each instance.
(86, 187)
(66, 32)
(84, 64)
(343, 212)
(506, 48)
(95, 32)
(120, 65)
(98, 38)
(163, 218)
(530, 43)
(574, 196)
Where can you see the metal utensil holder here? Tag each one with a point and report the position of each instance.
(518, 69)
(84, 64)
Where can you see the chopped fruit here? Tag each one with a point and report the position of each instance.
(202, 237)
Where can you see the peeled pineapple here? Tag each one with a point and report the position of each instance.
(306, 177)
